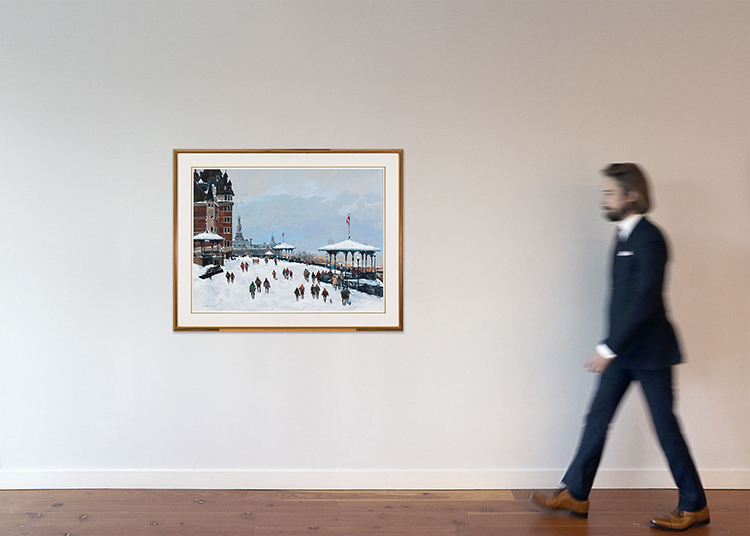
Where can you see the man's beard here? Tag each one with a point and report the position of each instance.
(616, 215)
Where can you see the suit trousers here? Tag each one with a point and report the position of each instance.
(657, 387)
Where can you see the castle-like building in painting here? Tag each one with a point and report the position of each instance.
(213, 204)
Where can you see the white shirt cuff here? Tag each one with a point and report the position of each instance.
(605, 351)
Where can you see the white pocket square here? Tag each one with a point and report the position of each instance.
(624, 253)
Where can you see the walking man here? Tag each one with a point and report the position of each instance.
(641, 346)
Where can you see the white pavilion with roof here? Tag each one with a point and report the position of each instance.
(367, 253)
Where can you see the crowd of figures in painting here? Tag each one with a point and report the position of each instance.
(251, 284)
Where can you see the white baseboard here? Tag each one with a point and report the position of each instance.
(330, 480)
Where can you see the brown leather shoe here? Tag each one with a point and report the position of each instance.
(562, 500)
(679, 520)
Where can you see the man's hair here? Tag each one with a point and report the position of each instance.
(632, 179)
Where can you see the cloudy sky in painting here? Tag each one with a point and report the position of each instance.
(308, 205)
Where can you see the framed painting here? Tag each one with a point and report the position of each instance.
(288, 240)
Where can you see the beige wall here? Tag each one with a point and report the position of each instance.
(505, 110)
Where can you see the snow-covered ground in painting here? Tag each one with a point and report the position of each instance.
(216, 295)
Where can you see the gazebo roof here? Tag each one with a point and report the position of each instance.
(208, 235)
(349, 245)
(284, 245)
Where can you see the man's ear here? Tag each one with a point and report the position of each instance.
(632, 196)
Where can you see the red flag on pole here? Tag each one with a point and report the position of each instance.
(348, 219)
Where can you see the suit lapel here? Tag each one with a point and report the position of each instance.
(635, 230)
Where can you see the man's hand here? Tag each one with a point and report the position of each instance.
(596, 363)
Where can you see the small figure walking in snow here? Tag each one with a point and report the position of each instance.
(252, 290)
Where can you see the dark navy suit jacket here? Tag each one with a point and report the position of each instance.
(639, 331)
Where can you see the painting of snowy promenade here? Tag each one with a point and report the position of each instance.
(288, 240)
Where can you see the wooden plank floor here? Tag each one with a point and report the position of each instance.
(319, 513)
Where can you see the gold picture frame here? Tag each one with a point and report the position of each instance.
(288, 240)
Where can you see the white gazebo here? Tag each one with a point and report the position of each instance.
(207, 236)
(281, 248)
(349, 246)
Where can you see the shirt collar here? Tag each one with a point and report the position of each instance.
(626, 226)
